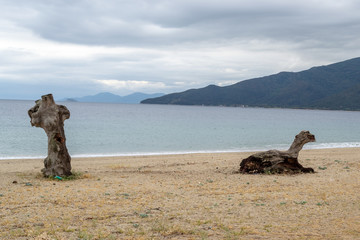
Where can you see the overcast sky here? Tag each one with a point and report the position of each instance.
(83, 47)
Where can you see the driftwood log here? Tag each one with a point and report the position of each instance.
(50, 116)
(274, 161)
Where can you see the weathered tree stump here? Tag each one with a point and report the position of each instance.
(274, 161)
(50, 116)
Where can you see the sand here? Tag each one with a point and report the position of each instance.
(190, 196)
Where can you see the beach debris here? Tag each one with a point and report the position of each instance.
(14, 182)
(28, 184)
(48, 115)
(58, 178)
(275, 161)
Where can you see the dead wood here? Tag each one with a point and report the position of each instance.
(50, 116)
(275, 161)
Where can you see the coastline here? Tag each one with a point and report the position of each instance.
(283, 147)
(182, 196)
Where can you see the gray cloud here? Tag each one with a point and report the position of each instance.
(149, 23)
(167, 46)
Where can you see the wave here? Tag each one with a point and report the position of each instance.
(332, 145)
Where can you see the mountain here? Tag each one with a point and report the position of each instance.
(107, 97)
(335, 86)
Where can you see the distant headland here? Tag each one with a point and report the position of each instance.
(106, 97)
(334, 87)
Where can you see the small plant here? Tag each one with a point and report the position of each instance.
(268, 172)
(74, 176)
(136, 225)
(321, 204)
(267, 227)
(119, 231)
(85, 235)
(259, 204)
(159, 227)
(126, 195)
(143, 215)
(282, 203)
(301, 202)
(322, 168)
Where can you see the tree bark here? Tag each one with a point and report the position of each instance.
(275, 161)
(50, 116)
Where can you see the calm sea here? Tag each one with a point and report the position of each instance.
(100, 129)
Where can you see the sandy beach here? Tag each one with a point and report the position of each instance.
(190, 196)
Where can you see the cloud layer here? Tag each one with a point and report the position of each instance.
(84, 47)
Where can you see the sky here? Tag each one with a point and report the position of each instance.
(84, 47)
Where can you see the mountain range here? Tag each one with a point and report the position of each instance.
(335, 86)
(106, 97)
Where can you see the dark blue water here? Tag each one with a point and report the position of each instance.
(99, 129)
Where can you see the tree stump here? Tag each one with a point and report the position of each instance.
(50, 116)
(275, 161)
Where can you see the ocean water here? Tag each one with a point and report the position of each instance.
(100, 129)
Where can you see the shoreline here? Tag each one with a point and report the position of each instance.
(165, 153)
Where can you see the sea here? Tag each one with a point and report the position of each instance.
(106, 129)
